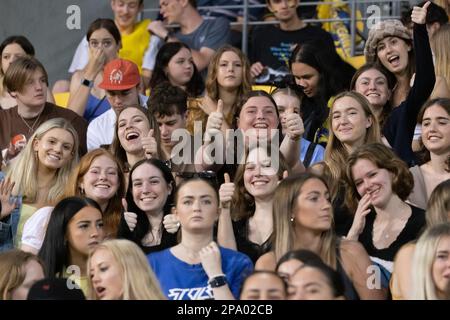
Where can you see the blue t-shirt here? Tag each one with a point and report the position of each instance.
(95, 107)
(182, 281)
(318, 153)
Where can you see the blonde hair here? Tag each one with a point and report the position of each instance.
(423, 286)
(138, 280)
(113, 212)
(439, 44)
(25, 169)
(12, 271)
(336, 154)
(438, 207)
(284, 206)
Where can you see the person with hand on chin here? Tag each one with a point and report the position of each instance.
(383, 221)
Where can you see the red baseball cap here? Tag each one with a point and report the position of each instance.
(120, 74)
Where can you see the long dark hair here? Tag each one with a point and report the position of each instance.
(107, 24)
(444, 103)
(194, 87)
(143, 224)
(334, 77)
(258, 93)
(54, 251)
(116, 147)
(23, 42)
(335, 74)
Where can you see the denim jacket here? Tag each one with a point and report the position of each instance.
(9, 225)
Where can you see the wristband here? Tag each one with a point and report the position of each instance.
(217, 281)
(87, 83)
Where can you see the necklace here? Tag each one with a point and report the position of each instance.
(31, 128)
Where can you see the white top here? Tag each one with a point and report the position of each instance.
(81, 56)
(101, 130)
(33, 233)
(417, 132)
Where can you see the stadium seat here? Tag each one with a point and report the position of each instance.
(61, 99)
(266, 88)
(356, 61)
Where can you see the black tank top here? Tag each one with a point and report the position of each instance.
(244, 245)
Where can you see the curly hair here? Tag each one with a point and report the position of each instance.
(383, 158)
(167, 100)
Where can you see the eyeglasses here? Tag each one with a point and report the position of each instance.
(96, 44)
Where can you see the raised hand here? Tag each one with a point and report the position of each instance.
(359, 220)
(149, 145)
(226, 192)
(211, 260)
(214, 123)
(256, 69)
(285, 175)
(97, 60)
(6, 187)
(294, 125)
(130, 217)
(171, 223)
(419, 14)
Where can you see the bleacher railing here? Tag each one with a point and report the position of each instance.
(391, 7)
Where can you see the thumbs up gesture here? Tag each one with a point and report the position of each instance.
(419, 14)
(226, 192)
(171, 223)
(130, 217)
(149, 145)
(214, 123)
(294, 125)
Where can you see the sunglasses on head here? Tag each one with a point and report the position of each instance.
(210, 175)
